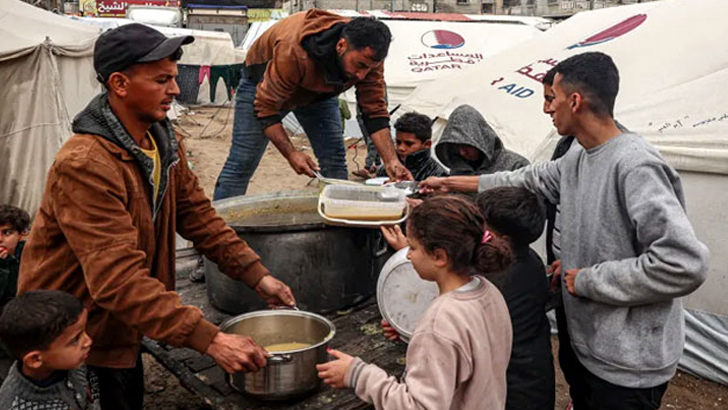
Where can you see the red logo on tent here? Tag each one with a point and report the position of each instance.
(442, 39)
(613, 32)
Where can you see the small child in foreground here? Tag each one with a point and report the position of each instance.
(44, 330)
(458, 354)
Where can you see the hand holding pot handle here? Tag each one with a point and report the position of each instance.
(235, 353)
(274, 292)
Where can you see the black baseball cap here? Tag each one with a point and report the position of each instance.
(120, 48)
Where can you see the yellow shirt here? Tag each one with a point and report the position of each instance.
(157, 173)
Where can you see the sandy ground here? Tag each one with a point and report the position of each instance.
(208, 134)
(208, 137)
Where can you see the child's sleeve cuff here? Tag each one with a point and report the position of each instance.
(353, 372)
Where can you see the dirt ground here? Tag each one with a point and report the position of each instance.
(208, 135)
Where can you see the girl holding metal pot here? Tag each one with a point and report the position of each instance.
(458, 355)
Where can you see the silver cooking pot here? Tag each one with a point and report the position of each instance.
(289, 373)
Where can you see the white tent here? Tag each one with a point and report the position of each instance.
(539, 22)
(47, 76)
(673, 66)
(423, 51)
(210, 48)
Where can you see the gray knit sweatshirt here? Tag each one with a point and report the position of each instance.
(77, 390)
(624, 225)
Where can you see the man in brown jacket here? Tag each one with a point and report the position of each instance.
(117, 193)
(301, 65)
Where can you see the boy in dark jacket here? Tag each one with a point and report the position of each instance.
(413, 143)
(14, 223)
(518, 215)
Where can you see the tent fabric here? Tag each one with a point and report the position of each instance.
(46, 69)
(212, 56)
(425, 51)
(539, 22)
(706, 346)
(209, 47)
(255, 30)
(667, 90)
(673, 65)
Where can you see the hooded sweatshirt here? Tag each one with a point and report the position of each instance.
(467, 126)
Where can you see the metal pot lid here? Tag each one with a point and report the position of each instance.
(402, 296)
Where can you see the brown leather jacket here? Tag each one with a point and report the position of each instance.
(289, 77)
(96, 237)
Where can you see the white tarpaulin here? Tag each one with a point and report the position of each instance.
(423, 51)
(47, 76)
(673, 65)
(210, 48)
(669, 77)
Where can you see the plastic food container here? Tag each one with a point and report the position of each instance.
(402, 296)
(362, 205)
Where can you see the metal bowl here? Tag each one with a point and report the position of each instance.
(290, 373)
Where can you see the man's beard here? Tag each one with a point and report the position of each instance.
(340, 63)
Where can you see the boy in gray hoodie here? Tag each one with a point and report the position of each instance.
(628, 251)
(469, 146)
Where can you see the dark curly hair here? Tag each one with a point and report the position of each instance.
(363, 32)
(454, 224)
(33, 320)
(15, 217)
(415, 123)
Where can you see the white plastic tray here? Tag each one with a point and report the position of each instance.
(323, 200)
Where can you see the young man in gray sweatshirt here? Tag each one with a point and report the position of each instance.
(628, 250)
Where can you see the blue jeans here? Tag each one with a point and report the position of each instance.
(320, 120)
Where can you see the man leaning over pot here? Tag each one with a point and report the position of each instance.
(301, 65)
(116, 194)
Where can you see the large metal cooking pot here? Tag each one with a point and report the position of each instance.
(289, 373)
(327, 267)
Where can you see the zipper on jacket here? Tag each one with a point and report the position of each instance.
(166, 187)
